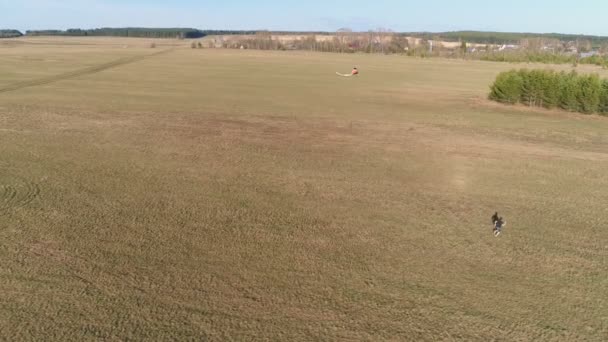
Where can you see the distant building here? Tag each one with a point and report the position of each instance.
(549, 49)
(571, 47)
(507, 47)
(589, 54)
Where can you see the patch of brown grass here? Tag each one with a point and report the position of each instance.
(281, 203)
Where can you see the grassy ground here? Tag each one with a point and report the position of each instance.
(239, 195)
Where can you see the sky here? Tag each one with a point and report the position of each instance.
(539, 16)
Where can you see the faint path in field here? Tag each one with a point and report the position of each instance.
(16, 192)
(77, 73)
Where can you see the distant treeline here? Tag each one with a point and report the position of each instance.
(549, 89)
(533, 50)
(480, 37)
(10, 34)
(540, 57)
(188, 33)
(477, 37)
(253, 32)
(339, 42)
(124, 32)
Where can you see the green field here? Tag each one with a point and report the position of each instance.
(180, 194)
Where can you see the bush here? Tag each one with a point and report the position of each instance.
(548, 89)
(569, 92)
(551, 92)
(595, 60)
(540, 88)
(588, 95)
(604, 98)
(507, 88)
(532, 90)
(519, 56)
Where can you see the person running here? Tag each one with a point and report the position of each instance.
(494, 218)
(498, 225)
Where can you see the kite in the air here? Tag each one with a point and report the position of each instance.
(355, 72)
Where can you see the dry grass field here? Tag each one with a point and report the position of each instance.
(179, 194)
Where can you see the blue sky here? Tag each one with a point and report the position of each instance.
(582, 16)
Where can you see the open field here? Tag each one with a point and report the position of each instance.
(246, 195)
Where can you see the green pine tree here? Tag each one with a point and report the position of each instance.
(568, 92)
(507, 88)
(604, 98)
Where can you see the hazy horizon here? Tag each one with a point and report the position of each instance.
(287, 31)
(403, 16)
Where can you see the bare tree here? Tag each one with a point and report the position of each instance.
(344, 36)
(531, 44)
(384, 39)
(398, 44)
(584, 45)
(369, 42)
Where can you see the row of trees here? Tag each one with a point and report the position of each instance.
(533, 50)
(550, 89)
(181, 33)
(540, 57)
(343, 41)
(476, 37)
(155, 32)
(261, 40)
(479, 37)
(10, 33)
(249, 32)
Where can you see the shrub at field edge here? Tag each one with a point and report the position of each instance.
(549, 89)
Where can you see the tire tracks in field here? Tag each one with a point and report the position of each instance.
(17, 193)
(77, 73)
